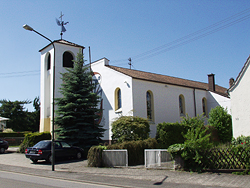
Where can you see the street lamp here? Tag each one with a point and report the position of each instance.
(27, 27)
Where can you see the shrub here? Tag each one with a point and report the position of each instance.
(95, 156)
(128, 128)
(135, 149)
(170, 133)
(241, 140)
(32, 138)
(222, 121)
(196, 140)
(12, 134)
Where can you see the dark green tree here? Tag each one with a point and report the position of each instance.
(34, 117)
(77, 108)
(20, 118)
(16, 112)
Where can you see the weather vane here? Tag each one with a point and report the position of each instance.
(62, 24)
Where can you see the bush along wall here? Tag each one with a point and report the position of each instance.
(95, 156)
(170, 133)
(135, 149)
(32, 138)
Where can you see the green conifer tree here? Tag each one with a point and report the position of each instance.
(77, 108)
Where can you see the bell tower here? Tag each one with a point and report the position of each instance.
(61, 52)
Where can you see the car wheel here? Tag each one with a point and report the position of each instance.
(49, 160)
(2, 150)
(34, 160)
(78, 155)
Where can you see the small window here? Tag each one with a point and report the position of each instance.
(182, 105)
(48, 62)
(67, 60)
(204, 106)
(149, 99)
(118, 99)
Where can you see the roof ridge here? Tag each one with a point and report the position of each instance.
(160, 78)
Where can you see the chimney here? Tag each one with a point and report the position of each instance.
(211, 82)
(231, 82)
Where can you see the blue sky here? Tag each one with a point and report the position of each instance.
(185, 39)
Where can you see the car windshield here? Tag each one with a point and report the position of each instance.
(42, 144)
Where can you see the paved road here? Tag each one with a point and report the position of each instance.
(124, 177)
(17, 180)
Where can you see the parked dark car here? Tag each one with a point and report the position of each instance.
(4, 145)
(42, 151)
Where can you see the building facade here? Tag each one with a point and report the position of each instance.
(124, 92)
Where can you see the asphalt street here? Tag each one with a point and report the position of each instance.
(136, 176)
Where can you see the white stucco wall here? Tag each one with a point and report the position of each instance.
(166, 101)
(240, 103)
(110, 80)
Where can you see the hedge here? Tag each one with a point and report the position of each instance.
(13, 134)
(170, 133)
(32, 138)
(135, 149)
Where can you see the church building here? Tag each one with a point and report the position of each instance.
(123, 92)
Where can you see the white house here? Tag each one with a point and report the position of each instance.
(3, 122)
(240, 102)
(124, 91)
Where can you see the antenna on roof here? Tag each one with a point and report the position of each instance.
(62, 24)
(129, 63)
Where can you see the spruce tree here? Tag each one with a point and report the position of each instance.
(77, 108)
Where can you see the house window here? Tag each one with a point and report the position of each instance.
(182, 105)
(204, 106)
(118, 99)
(149, 98)
(48, 61)
(67, 60)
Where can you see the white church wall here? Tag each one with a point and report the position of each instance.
(240, 105)
(166, 101)
(110, 80)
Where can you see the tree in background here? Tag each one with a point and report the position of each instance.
(222, 121)
(19, 117)
(77, 108)
(129, 128)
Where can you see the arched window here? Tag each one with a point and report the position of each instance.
(150, 110)
(182, 105)
(67, 60)
(48, 61)
(204, 106)
(118, 99)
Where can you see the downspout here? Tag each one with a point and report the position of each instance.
(194, 103)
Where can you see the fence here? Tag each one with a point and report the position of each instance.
(158, 158)
(113, 158)
(227, 158)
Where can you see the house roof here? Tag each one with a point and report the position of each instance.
(240, 75)
(61, 41)
(3, 119)
(168, 80)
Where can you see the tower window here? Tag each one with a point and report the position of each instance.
(67, 60)
(48, 62)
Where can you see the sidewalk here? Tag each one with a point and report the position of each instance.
(127, 177)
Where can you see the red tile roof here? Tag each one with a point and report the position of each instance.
(168, 80)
